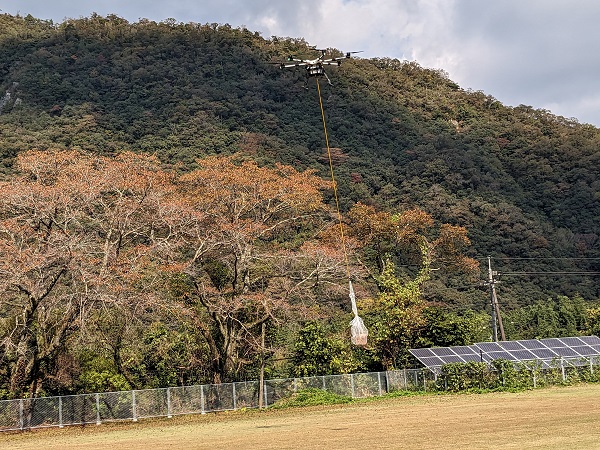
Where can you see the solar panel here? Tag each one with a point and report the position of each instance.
(523, 355)
(452, 359)
(473, 357)
(590, 340)
(552, 342)
(532, 344)
(571, 341)
(501, 355)
(552, 352)
(543, 353)
(489, 346)
(464, 350)
(585, 350)
(565, 351)
(443, 351)
(486, 357)
(511, 345)
(431, 361)
(422, 352)
(576, 361)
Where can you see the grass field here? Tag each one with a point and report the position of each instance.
(553, 418)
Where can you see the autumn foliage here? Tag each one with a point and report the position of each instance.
(115, 271)
(81, 234)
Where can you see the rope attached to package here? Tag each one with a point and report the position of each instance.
(358, 330)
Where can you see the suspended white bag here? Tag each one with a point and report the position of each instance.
(358, 331)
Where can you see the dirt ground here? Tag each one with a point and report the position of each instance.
(554, 418)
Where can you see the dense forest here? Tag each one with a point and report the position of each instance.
(148, 275)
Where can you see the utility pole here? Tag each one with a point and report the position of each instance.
(496, 316)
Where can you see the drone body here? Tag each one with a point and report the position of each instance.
(315, 67)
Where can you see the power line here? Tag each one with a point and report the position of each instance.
(549, 273)
(545, 272)
(536, 258)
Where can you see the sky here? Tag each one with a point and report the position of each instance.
(540, 53)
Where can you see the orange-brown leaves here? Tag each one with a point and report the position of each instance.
(369, 225)
(412, 233)
(84, 208)
(116, 230)
(450, 245)
(244, 201)
(243, 189)
(412, 223)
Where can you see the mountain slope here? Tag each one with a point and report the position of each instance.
(523, 181)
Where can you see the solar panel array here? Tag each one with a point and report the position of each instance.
(575, 350)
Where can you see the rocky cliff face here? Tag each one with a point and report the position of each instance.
(10, 100)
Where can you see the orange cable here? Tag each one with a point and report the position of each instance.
(335, 193)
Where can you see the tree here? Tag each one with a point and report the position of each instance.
(411, 237)
(558, 317)
(76, 232)
(315, 353)
(397, 315)
(251, 255)
(444, 328)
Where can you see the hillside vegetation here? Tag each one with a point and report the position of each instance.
(409, 146)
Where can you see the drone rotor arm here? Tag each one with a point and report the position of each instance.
(287, 66)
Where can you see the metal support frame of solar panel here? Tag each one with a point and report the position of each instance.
(574, 351)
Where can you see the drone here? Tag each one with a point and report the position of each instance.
(315, 67)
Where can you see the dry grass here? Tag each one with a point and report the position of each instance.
(554, 418)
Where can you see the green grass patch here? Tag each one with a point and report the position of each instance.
(312, 397)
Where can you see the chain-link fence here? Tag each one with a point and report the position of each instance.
(96, 408)
(167, 402)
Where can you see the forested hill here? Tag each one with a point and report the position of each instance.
(523, 181)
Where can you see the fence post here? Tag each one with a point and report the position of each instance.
(60, 419)
(534, 378)
(591, 365)
(202, 410)
(324, 386)
(233, 394)
(352, 384)
(133, 407)
(562, 368)
(21, 414)
(266, 394)
(379, 382)
(98, 422)
(295, 385)
(169, 412)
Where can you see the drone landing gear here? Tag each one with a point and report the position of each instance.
(317, 71)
